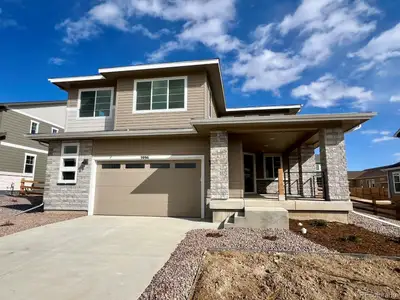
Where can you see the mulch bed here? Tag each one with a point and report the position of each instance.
(348, 238)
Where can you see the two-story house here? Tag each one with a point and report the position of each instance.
(158, 140)
(21, 157)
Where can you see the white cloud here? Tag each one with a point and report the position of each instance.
(380, 49)
(109, 14)
(75, 31)
(327, 91)
(383, 139)
(374, 131)
(395, 98)
(6, 22)
(148, 33)
(58, 61)
(397, 155)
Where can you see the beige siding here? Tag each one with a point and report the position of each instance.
(157, 146)
(74, 124)
(210, 107)
(236, 171)
(125, 119)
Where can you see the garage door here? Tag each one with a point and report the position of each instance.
(156, 188)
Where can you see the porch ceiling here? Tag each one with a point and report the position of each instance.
(275, 142)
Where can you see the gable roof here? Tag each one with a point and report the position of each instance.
(354, 174)
(397, 134)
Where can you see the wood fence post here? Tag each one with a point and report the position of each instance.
(22, 186)
(281, 187)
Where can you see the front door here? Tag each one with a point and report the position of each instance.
(249, 173)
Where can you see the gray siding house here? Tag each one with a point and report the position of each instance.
(21, 157)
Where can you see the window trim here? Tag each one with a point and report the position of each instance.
(34, 165)
(78, 117)
(54, 128)
(37, 127)
(135, 82)
(370, 183)
(394, 183)
(68, 169)
(265, 169)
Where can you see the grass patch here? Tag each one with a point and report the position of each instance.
(319, 223)
(351, 238)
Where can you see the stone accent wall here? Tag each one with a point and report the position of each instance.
(307, 170)
(67, 196)
(334, 164)
(219, 165)
(292, 175)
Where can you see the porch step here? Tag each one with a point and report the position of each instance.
(260, 217)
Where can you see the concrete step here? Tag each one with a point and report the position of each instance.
(260, 217)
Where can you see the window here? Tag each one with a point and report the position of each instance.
(396, 182)
(111, 166)
(34, 127)
(185, 166)
(95, 103)
(29, 164)
(54, 130)
(159, 166)
(271, 166)
(134, 166)
(159, 95)
(69, 163)
(370, 183)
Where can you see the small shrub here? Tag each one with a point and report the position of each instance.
(319, 223)
(351, 238)
(270, 238)
(7, 223)
(214, 234)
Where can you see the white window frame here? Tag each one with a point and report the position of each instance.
(54, 128)
(37, 127)
(135, 82)
(95, 90)
(265, 169)
(34, 165)
(68, 169)
(394, 183)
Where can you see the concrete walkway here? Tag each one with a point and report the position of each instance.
(89, 258)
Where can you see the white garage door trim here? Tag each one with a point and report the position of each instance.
(97, 159)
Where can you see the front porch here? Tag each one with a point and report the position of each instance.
(276, 169)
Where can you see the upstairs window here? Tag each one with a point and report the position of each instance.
(396, 182)
(160, 95)
(271, 166)
(54, 130)
(69, 163)
(34, 127)
(95, 103)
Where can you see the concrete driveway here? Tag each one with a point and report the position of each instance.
(89, 258)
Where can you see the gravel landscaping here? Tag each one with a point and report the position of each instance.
(9, 223)
(177, 276)
(376, 226)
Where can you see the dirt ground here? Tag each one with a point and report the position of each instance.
(348, 238)
(9, 223)
(239, 275)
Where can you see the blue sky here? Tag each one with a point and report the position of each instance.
(330, 55)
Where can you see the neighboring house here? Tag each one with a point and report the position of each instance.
(369, 178)
(21, 157)
(352, 176)
(393, 175)
(158, 140)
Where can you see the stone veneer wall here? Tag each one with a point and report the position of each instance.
(219, 165)
(307, 170)
(334, 164)
(265, 186)
(292, 175)
(67, 196)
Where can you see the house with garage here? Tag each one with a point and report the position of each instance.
(21, 157)
(159, 140)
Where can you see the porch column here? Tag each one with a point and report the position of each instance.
(293, 173)
(307, 170)
(219, 168)
(334, 164)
